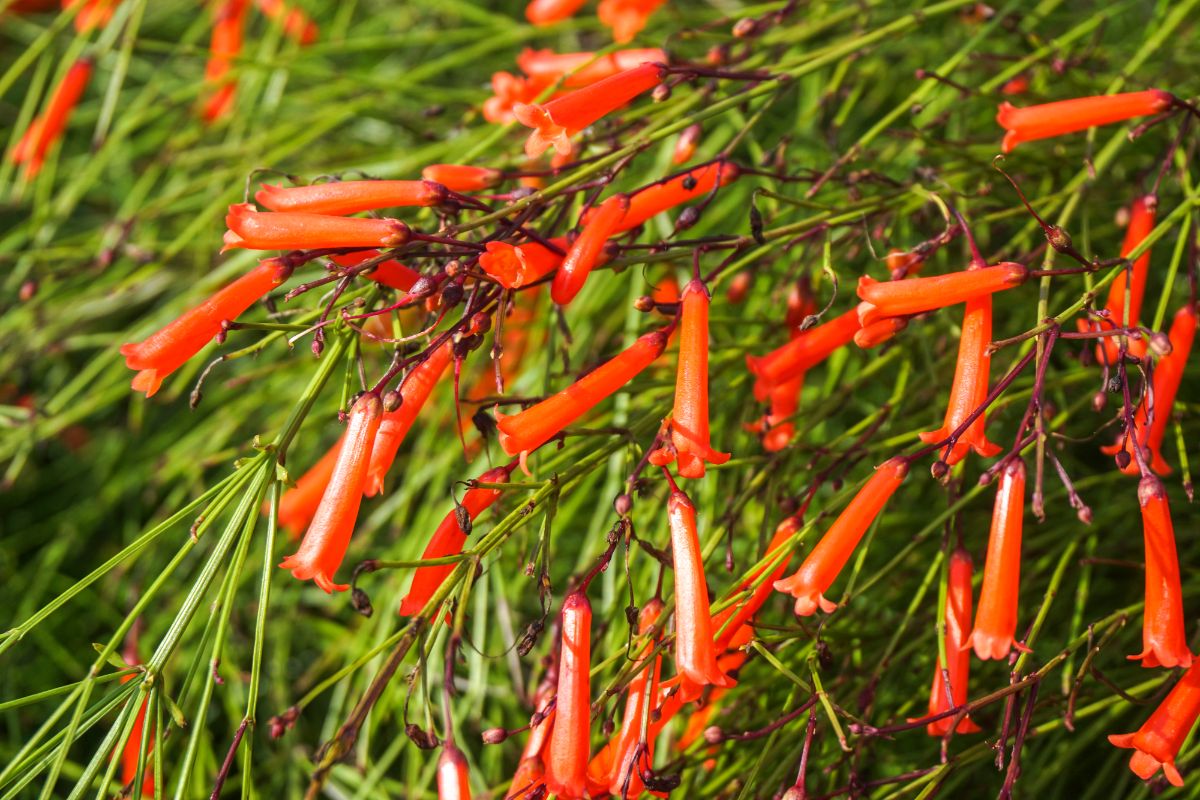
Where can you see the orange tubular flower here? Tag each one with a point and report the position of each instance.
(659, 197)
(349, 197)
(528, 779)
(970, 387)
(1164, 641)
(587, 249)
(452, 777)
(695, 651)
(996, 620)
(1168, 375)
(390, 273)
(958, 620)
(47, 127)
(916, 295)
(1068, 116)
(1015, 86)
(298, 505)
(324, 545)
(567, 750)
(131, 752)
(555, 122)
(583, 69)
(732, 623)
(250, 229)
(225, 45)
(531, 428)
(93, 14)
(1158, 741)
(820, 569)
(448, 540)
(462, 178)
(516, 266)
(296, 24)
(1141, 222)
(783, 399)
(548, 12)
(415, 391)
(507, 91)
(626, 18)
(166, 350)
(629, 758)
(689, 420)
(801, 354)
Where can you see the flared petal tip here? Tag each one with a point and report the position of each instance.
(988, 646)
(232, 242)
(302, 570)
(147, 381)
(1170, 657)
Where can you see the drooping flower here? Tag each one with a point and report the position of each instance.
(917, 295)
(689, 419)
(93, 14)
(970, 387)
(528, 780)
(1069, 116)
(958, 620)
(390, 273)
(131, 753)
(169, 348)
(556, 121)
(224, 47)
(1158, 741)
(587, 249)
(415, 391)
(695, 650)
(583, 69)
(776, 427)
(1168, 375)
(519, 265)
(531, 428)
(1164, 639)
(658, 197)
(250, 229)
(531, 771)
(996, 618)
(733, 621)
(298, 505)
(507, 91)
(566, 755)
(1141, 222)
(339, 198)
(626, 18)
(821, 567)
(802, 353)
(324, 545)
(296, 24)
(631, 754)
(448, 540)
(453, 779)
(47, 128)
(548, 12)
(461, 177)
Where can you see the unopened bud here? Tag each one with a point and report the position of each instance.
(1160, 344)
(494, 735)
(623, 505)
(661, 92)
(644, 303)
(939, 469)
(713, 734)
(744, 28)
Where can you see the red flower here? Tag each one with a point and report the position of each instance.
(1068, 116)
(631, 754)
(349, 197)
(547, 12)
(298, 505)
(1141, 222)
(168, 349)
(733, 621)
(820, 569)
(225, 45)
(626, 18)
(1158, 741)
(958, 620)
(658, 197)
(250, 229)
(1168, 375)
(507, 91)
(93, 14)
(916, 295)
(531, 428)
(462, 178)
(695, 650)
(131, 752)
(555, 122)
(453, 780)
(448, 540)
(1164, 640)
(587, 249)
(1015, 86)
(296, 24)
(390, 273)
(783, 399)
(583, 69)
(801, 354)
(324, 545)
(689, 420)
(996, 620)
(47, 127)
(970, 387)
(415, 391)
(529, 779)
(566, 756)
(516, 266)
